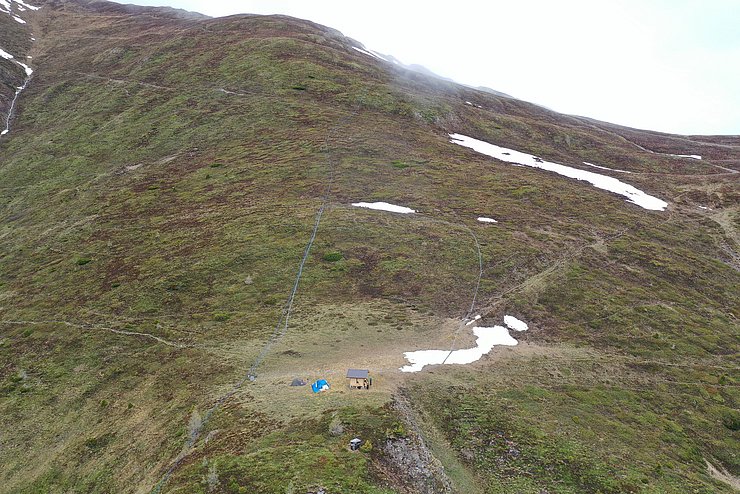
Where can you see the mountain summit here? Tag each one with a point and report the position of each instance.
(196, 213)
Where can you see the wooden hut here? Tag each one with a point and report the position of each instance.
(359, 378)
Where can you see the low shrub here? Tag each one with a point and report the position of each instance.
(333, 256)
(221, 316)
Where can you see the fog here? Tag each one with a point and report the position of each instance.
(667, 65)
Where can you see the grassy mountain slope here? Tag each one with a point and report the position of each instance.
(157, 191)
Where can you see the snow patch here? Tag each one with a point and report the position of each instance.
(605, 168)
(483, 219)
(26, 5)
(7, 56)
(381, 57)
(515, 324)
(486, 339)
(384, 206)
(8, 7)
(473, 320)
(369, 53)
(12, 106)
(28, 69)
(692, 156)
(604, 182)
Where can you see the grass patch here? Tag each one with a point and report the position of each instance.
(221, 316)
(333, 256)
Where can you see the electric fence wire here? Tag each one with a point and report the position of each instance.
(281, 328)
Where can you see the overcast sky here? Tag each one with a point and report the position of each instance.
(668, 65)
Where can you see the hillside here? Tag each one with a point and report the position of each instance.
(165, 178)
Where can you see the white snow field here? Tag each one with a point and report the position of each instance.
(604, 182)
(486, 339)
(7, 56)
(384, 206)
(6, 6)
(606, 168)
(515, 324)
(483, 219)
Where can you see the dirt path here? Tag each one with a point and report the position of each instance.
(538, 280)
(86, 326)
(723, 476)
(642, 148)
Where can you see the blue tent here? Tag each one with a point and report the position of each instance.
(320, 385)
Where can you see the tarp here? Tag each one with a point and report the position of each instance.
(320, 385)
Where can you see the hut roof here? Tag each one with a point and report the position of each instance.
(357, 373)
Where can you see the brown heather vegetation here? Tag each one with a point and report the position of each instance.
(157, 191)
